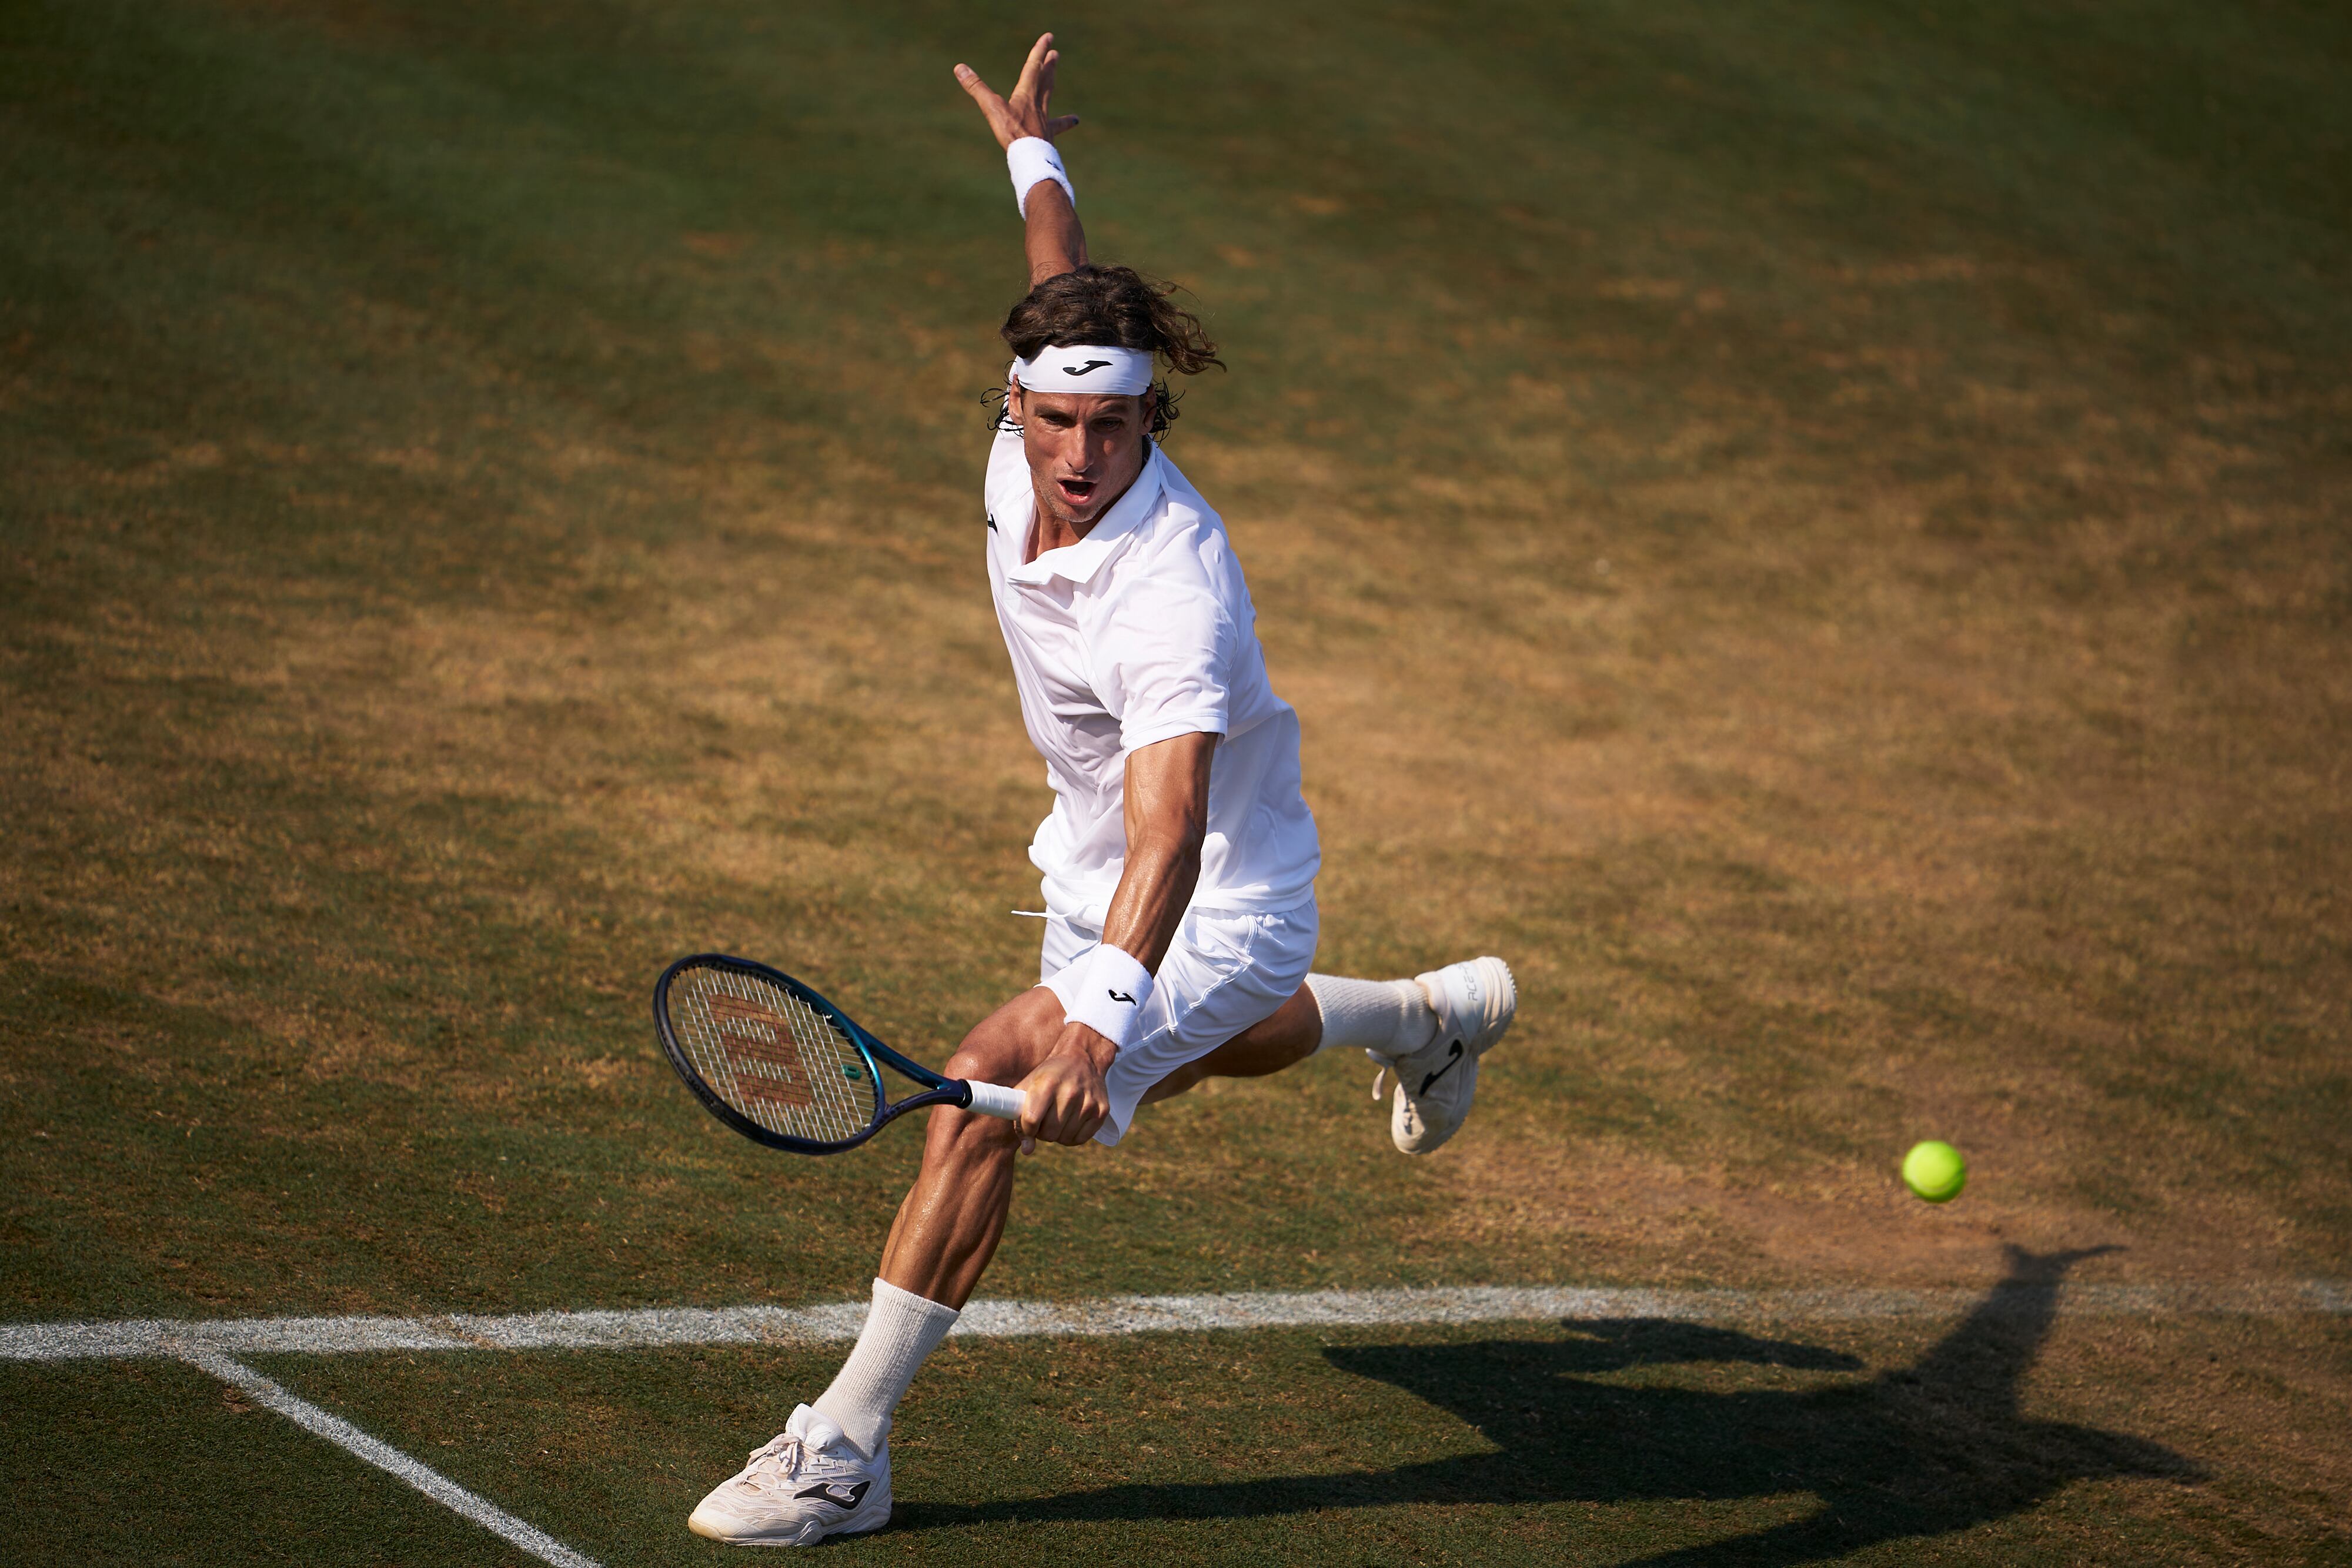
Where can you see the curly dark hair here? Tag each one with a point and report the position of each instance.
(1114, 306)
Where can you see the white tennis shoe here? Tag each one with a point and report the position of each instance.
(809, 1483)
(1475, 1002)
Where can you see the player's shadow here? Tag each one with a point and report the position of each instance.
(1920, 1450)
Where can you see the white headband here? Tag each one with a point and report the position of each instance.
(1121, 372)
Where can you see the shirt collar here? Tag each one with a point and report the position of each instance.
(1078, 563)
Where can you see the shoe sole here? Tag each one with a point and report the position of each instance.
(802, 1539)
(1470, 1066)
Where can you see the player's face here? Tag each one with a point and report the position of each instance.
(1084, 449)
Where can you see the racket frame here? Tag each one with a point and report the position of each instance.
(938, 1089)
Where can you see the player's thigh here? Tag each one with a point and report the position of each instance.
(1283, 1038)
(1009, 1043)
(1232, 984)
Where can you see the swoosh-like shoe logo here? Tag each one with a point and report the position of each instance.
(1089, 366)
(1119, 995)
(1452, 1057)
(825, 1494)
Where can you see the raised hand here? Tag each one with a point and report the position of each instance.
(1026, 112)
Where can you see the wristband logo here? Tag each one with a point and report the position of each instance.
(1120, 997)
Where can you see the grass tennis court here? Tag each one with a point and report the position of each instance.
(1821, 532)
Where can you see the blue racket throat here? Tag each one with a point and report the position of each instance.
(772, 1059)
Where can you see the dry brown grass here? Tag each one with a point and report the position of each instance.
(1928, 824)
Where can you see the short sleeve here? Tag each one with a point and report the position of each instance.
(1165, 663)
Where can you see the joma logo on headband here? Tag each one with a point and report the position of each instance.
(1082, 369)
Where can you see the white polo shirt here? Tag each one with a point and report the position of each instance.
(1141, 631)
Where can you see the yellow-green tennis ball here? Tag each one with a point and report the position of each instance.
(1935, 1171)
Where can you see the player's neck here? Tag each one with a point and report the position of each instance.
(1053, 529)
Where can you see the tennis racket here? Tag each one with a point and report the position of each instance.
(782, 1066)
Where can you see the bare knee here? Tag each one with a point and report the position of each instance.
(957, 1136)
(993, 1052)
(990, 1054)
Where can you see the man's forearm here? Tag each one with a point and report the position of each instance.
(1056, 242)
(1154, 890)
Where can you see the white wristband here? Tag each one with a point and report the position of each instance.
(1032, 159)
(1108, 991)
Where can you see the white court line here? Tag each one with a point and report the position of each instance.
(386, 1457)
(654, 1327)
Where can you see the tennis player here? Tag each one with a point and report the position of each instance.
(1178, 860)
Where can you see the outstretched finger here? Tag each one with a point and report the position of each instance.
(980, 91)
(1058, 124)
(1041, 59)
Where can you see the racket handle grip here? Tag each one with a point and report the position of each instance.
(995, 1100)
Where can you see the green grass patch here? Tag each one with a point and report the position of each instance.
(1606, 1441)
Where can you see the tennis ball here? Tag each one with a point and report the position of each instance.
(1935, 1171)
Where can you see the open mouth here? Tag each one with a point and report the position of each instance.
(1077, 492)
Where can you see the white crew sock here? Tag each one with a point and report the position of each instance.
(901, 1329)
(1391, 1017)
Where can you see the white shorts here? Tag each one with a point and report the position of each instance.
(1226, 970)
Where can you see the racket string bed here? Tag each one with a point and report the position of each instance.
(785, 1067)
(703, 1044)
(783, 1064)
(836, 1117)
(847, 1114)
